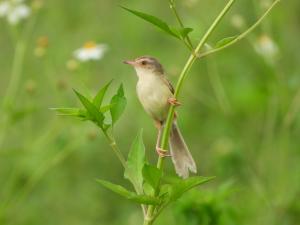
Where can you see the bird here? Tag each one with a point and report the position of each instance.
(156, 95)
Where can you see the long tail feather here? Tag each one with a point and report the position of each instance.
(181, 156)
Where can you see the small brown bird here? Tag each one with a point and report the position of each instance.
(156, 94)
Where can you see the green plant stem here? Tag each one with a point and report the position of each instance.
(173, 8)
(118, 153)
(12, 87)
(186, 69)
(16, 74)
(217, 86)
(115, 148)
(165, 136)
(242, 35)
(15, 79)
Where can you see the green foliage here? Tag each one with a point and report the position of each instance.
(95, 110)
(143, 175)
(92, 110)
(178, 188)
(135, 163)
(225, 41)
(179, 33)
(152, 175)
(97, 101)
(118, 104)
(70, 112)
(184, 32)
(208, 207)
(261, 119)
(142, 199)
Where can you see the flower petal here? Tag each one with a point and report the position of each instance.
(4, 8)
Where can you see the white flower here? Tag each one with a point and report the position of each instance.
(14, 11)
(4, 8)
(266, 47)
(18, 13)
(90, 51)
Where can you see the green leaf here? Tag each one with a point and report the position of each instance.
(118, 104)
(142, 199)
(225, 41)
(179, 188)
(152, 175)
(95, 114)
(185, 31)
(97, 101)
(135, 163)
(148, 189)
(164, 192)
(70, 112)
(106, 126)
(105, 108)
(153, 20)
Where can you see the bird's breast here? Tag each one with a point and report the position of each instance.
(153, 93)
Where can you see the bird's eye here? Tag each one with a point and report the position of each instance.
(144, 62)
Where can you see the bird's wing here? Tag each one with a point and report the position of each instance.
(168, 83)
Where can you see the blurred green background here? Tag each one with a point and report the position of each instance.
(240, 114)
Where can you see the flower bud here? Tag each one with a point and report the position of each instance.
(266, 47)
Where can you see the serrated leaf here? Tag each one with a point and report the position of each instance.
(118, 189)
(95, 114)
(225, 41)
(135, 163)
(153, 20)
(152, 175)
(179, 188)
(70, 112)
(97, 101)
(118, 104)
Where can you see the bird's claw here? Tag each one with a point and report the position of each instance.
(174, 101)
(162, 152)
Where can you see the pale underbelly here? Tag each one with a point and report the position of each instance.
(155, 102)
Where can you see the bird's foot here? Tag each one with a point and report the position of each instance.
(174, 101)
(162, 152)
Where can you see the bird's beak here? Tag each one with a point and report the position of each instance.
(129, 62)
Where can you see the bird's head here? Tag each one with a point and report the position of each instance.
(146, 65)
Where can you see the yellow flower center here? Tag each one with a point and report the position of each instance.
(89, 45)
(42, 42)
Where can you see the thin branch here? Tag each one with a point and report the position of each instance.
(173, 8)
(118, 153)
(165, 137)
(242, 35)
(15, 78)
(115, 148)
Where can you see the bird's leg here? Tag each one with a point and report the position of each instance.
(174, 101)
(161, 152)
